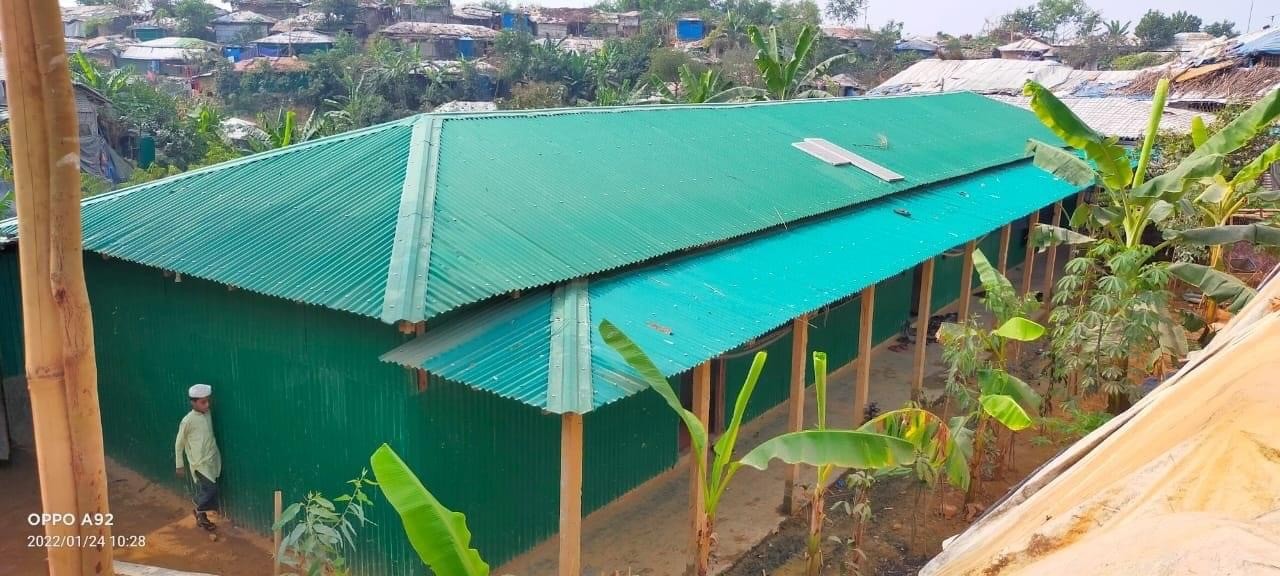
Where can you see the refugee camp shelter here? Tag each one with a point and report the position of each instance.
(436, 283)
(241, 27)
(442, 41)
(90, 21)
(1190, 472)
(1025, 49)
(171, 56)
(293, 43)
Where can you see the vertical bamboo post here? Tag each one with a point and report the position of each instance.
(698, 464)
(862, 390)
(58, 330)
(1029, 258)
(966, 281)
(1051, 261)
(277, 508)
(922, 329)
(795, 408)
(570, 494)
(1006, 235)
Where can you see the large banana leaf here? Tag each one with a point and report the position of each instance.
(1111, 159)
(1256, 167)
(1006, 411)
(931, 438)
(1171, 184)
(1241, 130)
(1257, 234)
(1020, 329)
(995, 382)
(991, 278)
(844, 448)
(721, 470)
(1060, 163)
(439, 535)
(1225, 289)
(637, 359)
(1047, 235)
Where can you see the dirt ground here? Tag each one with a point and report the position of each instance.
(889, 547)
(142, 509)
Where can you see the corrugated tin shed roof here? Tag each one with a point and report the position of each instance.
(170, 48)
(1266, 41)
(296, 37)
(437, 30)
(243, 17)
(1125, 118)
(411, 219)
(1026, 45)
(455, 106)
(1002, 76)
(85, 13)
(687, 310)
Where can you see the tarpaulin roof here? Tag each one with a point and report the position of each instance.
(414, 218)
(1266, 41)
(543, 349)
(1125, 118)
(1185, 482)
(1002, 76)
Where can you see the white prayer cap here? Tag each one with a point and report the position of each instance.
(200, 391)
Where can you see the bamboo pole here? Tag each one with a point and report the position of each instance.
(570, 494)
(1029, 256)
(922, 330)
(862, 391)
(1051, 261)
(57, 328)
(795, 409)
(1006, 235)
(966, 280)
(701, 537)
(277, 509)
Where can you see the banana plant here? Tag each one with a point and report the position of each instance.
(817, 500)
(977, 355)
(1221, 200)
(843, 448)
(703, 88)
(439, 535)
(781, 72)
(938, 446)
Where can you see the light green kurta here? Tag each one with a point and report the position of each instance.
(195, 438)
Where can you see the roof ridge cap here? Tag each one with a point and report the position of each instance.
(409, 265)
(569, 374)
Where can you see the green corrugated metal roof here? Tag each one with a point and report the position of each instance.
(686, 310)
(411, 219)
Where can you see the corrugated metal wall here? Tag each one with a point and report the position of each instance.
(946, 279)
(301, 401)
(12, 357)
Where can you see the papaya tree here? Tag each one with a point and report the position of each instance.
(839, 448)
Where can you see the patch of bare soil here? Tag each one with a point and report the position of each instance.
(153, 517)
(890, 547)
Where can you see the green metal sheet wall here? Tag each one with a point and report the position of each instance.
(11, 353)
(946, 279)
(893, 307)
(775, 381)
(301, 401)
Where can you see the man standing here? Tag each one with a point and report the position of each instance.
(195, 439)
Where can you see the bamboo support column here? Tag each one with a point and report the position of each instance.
(1051, 261)
(922, 330)
(570, 494)
(277, 508)
(862, 389)
(1006, 235)
(698, 474)
(795, 408)
(1029, 257)
(57, 328)
(966, 281)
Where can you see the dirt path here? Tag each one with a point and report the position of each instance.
(151, 515)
